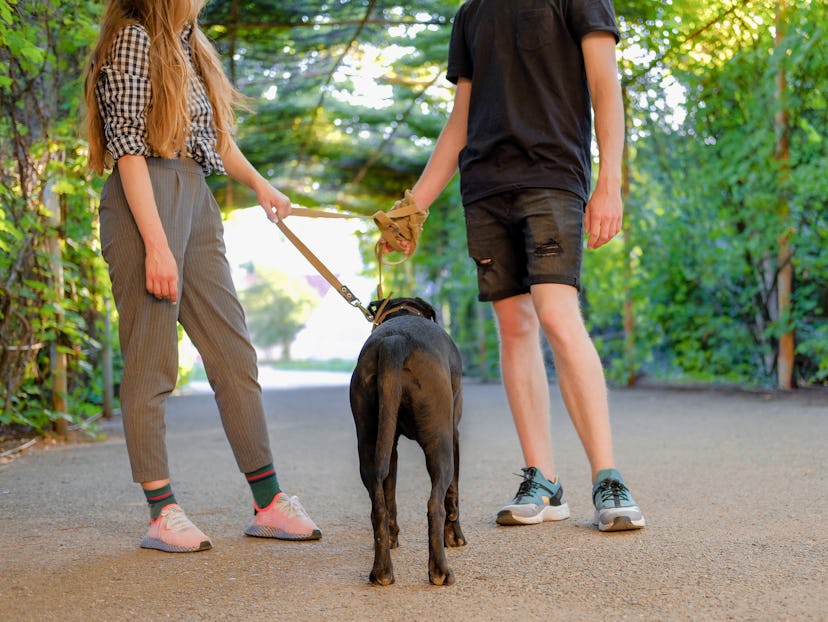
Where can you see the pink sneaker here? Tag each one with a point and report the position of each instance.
(284, 518)
(173, 532)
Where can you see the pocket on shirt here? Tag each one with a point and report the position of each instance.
(534, 28)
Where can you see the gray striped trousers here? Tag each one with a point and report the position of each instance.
(208, 309)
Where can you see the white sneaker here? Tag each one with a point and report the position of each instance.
(173, 532)
(285, 519)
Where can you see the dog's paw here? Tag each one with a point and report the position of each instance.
(381, 577)
(445, 577)
(453, 535)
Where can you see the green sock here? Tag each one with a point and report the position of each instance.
(159, 499)
(263, 485)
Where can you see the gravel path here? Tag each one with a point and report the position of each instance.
(733, 486)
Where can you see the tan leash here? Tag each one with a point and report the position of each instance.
(389, 232)
(323, 270)
(309, 212)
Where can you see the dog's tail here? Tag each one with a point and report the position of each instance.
(391, 355)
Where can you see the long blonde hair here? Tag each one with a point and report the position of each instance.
(168, 118)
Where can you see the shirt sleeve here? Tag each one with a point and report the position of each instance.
(124, 93)
(585, 16)
(459, 60)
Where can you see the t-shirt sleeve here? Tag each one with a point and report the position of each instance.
(585, 16)
(124, 93)
(459, 59)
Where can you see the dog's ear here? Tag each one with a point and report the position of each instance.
(427, 309)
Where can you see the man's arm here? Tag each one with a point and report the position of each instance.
(443, 161)
(604, 210)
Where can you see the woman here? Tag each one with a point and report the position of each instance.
(161, 115)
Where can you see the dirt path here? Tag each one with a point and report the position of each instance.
(733, 487)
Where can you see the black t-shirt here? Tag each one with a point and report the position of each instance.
(530, 112)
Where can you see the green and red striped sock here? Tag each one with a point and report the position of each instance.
(264, 485)
(158, 499)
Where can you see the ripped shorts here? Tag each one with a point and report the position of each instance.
(524, 237)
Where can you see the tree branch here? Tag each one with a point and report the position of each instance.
(314, 24)
(324, 90)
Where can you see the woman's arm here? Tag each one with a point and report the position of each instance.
(161, 269)
(275, 204)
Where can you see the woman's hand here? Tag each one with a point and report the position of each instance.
(162, 273)
(274, 202)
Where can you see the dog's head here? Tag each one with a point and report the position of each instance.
(387, 308)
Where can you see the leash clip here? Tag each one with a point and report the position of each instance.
(355, 302)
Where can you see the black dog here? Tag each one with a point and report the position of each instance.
(407, 382)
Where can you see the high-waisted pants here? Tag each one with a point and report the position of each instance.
(207, 308)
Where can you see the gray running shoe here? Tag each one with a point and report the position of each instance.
(615, 509)
(537, 500)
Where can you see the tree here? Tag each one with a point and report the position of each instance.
(710, 186)
(346, 102)
(40, 156)
(276, 307)
(350, 97)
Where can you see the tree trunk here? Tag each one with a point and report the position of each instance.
(57, 358)
(784, 278)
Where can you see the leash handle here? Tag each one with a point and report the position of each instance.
(323, 270)
(309, 212)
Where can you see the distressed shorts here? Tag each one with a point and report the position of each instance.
(524, 237)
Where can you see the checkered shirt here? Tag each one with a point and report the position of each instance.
(124, 96)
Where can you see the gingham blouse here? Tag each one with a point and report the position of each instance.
(124, 96)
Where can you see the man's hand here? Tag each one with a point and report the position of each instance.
(401, 226)
(603, 217)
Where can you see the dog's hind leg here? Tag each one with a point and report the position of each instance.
(453, 534)
(441, 472)
(382, 572)
(390, 490)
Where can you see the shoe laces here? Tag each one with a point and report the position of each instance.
(611, 490)
(291, 507)
(529, 487)
(176, 520)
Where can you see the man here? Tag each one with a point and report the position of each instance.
(529, 74)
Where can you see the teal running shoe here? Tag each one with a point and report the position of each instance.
(615, 509)
(537, 500)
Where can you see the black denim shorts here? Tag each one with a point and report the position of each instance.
(524, 237)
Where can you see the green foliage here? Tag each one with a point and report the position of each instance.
(51, 302)
(347, 100)
(689, 291)
(710, 203)
(328, 136)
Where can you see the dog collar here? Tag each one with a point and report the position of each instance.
(385, 312)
